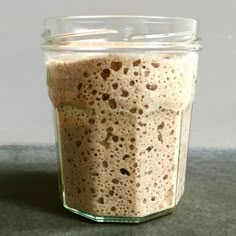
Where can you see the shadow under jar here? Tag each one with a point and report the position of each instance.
(122, 89)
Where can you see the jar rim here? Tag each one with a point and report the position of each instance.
(102, 32)
(100, 17)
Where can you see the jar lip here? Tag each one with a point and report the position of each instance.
(101, 32)
(50, 20)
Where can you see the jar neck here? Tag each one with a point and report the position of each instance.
(99, 33)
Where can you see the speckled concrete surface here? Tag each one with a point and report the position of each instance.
(30, 205)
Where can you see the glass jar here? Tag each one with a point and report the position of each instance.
(122, 89)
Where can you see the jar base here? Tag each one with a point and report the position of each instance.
(119, 219)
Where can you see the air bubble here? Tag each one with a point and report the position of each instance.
(165, 177)
(137, 62)
(94, 92)
(133, 110)
(78, 143)
(126, 156)
(123, 171)
(101, 200)
(131, 147)
(79, 86)
(85, 74)
(161, 126)
(91, 121)
(151, 87)
(105, 73)
(105, 164)
(124, 93)
(112, 103)
(113, 209)
(116, 65)
(115, 86)
(155, 65)
(131, 83)
(115, 138)
(92, 190)
(126, 70)
(95, 174)
(103, 120)
(109, 130)
(146, 73)
(140, 111)
(115, 181)
(105, 96)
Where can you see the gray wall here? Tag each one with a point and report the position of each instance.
(25, 115)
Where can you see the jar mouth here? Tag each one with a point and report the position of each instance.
(86, 33)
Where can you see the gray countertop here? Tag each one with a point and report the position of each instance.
(30, 205)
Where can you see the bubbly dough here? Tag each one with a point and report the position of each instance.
(120, 124)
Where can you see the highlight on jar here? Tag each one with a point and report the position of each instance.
(122, 89)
